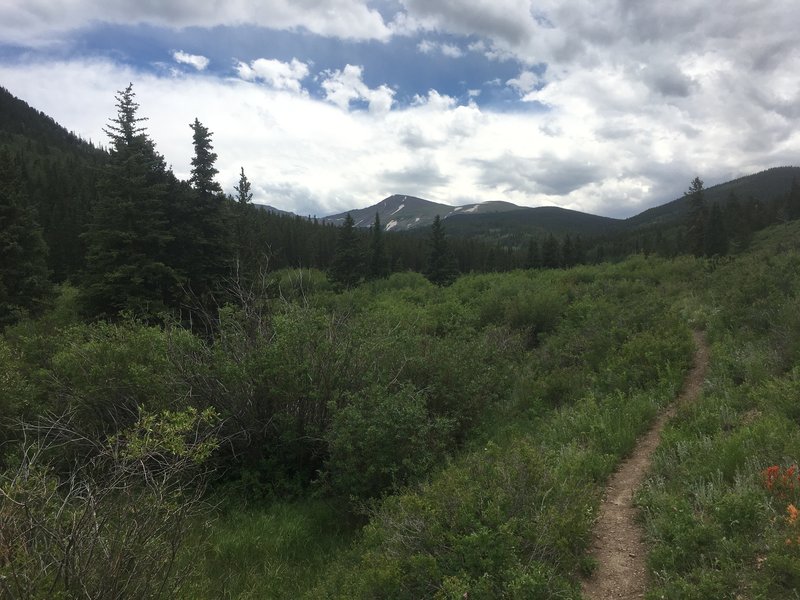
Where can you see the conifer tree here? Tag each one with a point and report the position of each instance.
(696, 226)
(203, 169)
(128, 236)
(579, 250)
(347, 266)
(737, 224)
(441, 267)
(243, 193)
(378, 261)
(716, 235)
(550, 253)
(793, 202)
(24, 282)
(568, 252)
(533, 260)
(202, 246)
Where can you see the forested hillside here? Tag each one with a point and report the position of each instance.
(132, 237)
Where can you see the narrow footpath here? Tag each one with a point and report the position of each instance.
(618, 545)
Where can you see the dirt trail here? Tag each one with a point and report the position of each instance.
(618, 547)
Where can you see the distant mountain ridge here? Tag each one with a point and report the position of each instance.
(38, 139)
(498, 219)
(765, 185)
(403, 213)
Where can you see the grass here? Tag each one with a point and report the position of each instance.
(272, 551)
(715, 529)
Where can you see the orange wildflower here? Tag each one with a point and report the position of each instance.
(793, 512)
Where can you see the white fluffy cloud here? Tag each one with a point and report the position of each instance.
(449, 50)
(342, 87)
(311, 156)
(275, 73)
(633, 100)
(525, 82)
(193, 60)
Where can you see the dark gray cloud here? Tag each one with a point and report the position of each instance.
(668, 80)
(289, 197)
(416, 178)
(546, 174)
(511, 21)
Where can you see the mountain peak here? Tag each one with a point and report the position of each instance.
(400, 212)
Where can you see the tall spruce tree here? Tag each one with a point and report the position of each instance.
(533, 259)
(793, 201)
(378, 261)
(202, 246)
(568, 252)
(203, 169)
(716, 235)
(441, 268)
(243, 193)
(696, 226)
(127, 265)
(551, 254)
(348, 259)
(24, 283)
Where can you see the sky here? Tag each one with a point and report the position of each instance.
(604, 106)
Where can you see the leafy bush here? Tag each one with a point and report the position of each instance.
(380, 439)
(114, 525)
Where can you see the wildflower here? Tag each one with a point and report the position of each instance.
(770, 474)
(793, 512)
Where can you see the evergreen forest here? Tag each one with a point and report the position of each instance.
(201, 398)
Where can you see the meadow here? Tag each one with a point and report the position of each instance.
(405, 440)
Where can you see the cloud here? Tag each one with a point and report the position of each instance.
(193, 60)
(667, 80)
(608, 106)
(342, 87)
(448, 50)
(29, 22)
(421, 176)
(278, 75)
(510, 20)
(525, 82)
(544, 174)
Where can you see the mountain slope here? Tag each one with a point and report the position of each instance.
(531, 222)
(766, 185)
(57, 171)
(403, 213)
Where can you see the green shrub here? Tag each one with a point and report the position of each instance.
(380, 439)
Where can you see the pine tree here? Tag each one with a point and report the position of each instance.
(243, 193)
(24, 283)
(793, 202)
(127, 239)
(533, 260)
(203, 169)
(441, 267)
(568, 252)
(696, 226)
(211, 250)
(716, 235)
(580, 251)
(347, 265)
(378, 261)
(551, 258)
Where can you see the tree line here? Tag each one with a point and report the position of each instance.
(135, 238)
